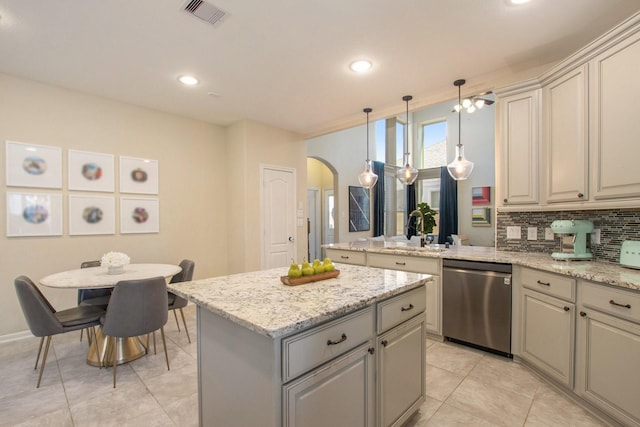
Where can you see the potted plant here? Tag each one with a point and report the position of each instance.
(429, 216)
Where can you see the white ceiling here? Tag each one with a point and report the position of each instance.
(285, 62)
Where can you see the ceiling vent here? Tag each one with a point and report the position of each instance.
(205, 11)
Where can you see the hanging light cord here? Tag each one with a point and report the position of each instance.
(367, 110)
(407, 98)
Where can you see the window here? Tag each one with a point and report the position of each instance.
(433, 144)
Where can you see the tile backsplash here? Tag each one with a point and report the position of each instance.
(616, 225)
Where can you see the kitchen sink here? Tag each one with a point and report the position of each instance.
(413, 249)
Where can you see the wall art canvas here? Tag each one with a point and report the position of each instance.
(91, 171)
(358, 209)
(31, 165)
(32, 214)
(139, 215)
(481, 195)
(481, 217)
(90, 215)
(139, 176)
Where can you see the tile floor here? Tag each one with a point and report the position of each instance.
(465, 387)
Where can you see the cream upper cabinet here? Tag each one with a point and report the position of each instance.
(615, 88)
(518, 145)
(565, 122)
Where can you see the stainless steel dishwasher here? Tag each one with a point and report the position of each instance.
(476, 304)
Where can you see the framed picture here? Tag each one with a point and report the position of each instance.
(31, 165)
(358, 209)
(92, 215)
(481, 195)
(481, 217)
(32, 214)
(139, 215)
(139, 176)
(91, 171)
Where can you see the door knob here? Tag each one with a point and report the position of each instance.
(292, 239)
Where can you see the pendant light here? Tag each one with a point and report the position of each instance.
(367, 178)
(408, 174)
(460, 168)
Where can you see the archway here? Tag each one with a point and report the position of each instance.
(322, 199)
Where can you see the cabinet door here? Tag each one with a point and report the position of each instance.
(547, 335)
(614, 120)
(519, 147)
(434, 301)
(565, 124)
(608, 373)
(341, 393)
(401, 372)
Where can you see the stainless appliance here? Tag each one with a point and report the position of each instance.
(476, 304)
(574, 244)
(630, 254)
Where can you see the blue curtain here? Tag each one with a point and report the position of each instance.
(410, 207)
(448, 223)
(378, 200)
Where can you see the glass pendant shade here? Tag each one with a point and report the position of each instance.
(460, 168)
(367, 178)
(408, 174)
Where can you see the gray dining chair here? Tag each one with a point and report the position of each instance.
(96, 297)
(137, 307)
(44, 321)
(177, 302)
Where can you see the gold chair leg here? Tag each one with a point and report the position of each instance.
(154, 343)
(81, 331)
(39, 351)
(176, 316)
(166, 355)
(184, 322)
(44, 360)
(115, 360)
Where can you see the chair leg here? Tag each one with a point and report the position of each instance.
(176, 316)
(164, 343)
(39, 351)
(154, 343)
(115, 360)
(44, 360)
(184, 322)
(81, 331)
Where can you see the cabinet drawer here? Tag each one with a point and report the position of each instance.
(614, 301)
(405, 263)
(548, 283)
(347, 257)
(308, 349)
(402, 307)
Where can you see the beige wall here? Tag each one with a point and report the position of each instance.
(192, 175)
(252, 144)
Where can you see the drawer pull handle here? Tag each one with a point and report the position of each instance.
(410, 307)
(543, 283)
(580, 195)
(612, 302)
(583, 314)
(371, 350)
(566, 308)
(400, 263)
(384, 343)
(344, 257)
(342, 339)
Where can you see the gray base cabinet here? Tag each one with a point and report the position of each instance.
(608, 362)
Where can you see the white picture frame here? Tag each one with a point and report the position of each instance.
(34, 214)
(138, 215)
(89, 171)
(91, 215)
(138, 176)
(32, 165)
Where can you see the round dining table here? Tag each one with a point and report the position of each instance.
(97, 277)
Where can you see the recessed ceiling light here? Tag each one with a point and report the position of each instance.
(188, 80)
(519, 1)
(360, 66)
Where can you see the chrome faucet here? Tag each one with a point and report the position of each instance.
(420, 214)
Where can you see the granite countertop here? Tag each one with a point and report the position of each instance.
(597, 271)
(260, 302)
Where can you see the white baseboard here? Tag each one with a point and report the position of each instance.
(15, 336)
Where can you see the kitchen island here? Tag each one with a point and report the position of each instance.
(343, 351)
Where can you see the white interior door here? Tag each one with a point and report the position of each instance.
(278, 213)
(313, 210)
(328, 218)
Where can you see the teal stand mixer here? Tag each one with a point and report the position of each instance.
(573, 235)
